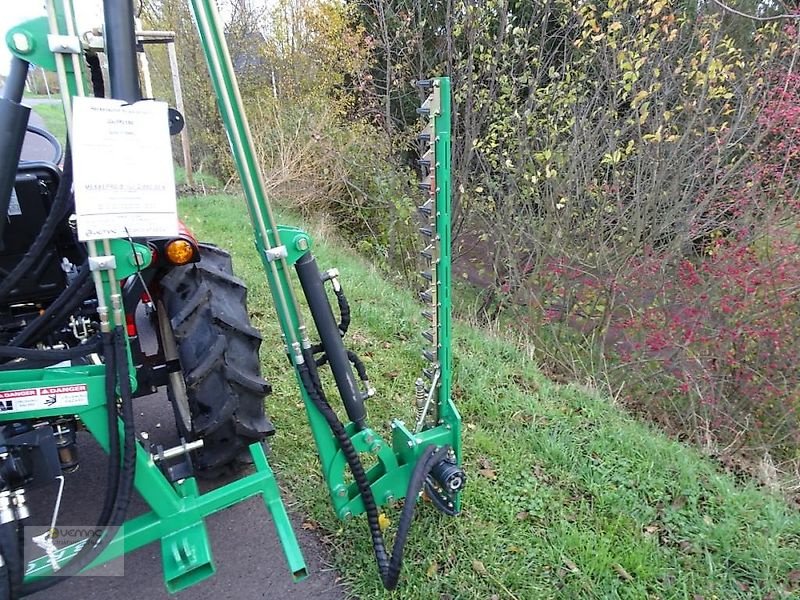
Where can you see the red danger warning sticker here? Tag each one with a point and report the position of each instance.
(60, 396)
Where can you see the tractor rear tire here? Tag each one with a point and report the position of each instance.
(218, 354)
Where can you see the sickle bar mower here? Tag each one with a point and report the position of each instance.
(70, 357)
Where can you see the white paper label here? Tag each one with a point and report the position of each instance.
(59, 396)
(123, 171)
(13, 207)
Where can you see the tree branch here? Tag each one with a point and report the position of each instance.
(730, 9)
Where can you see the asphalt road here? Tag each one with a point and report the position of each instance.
(36, 147)
(246, 551)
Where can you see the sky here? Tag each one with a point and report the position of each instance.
(89, 14)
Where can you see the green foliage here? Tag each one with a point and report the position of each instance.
(590, 137)
(210, 151)
(318, 163)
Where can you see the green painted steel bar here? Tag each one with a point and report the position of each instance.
(442, 143)
(231, 108)
(269, 235)
(448, 413)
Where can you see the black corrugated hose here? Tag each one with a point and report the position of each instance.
(344, 310)
(36, 358)
(389, 568)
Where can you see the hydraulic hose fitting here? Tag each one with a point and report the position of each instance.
(298, 353)
(449, 476)
(65, 434)
(332, 275)
(21, 510)
(6, 507)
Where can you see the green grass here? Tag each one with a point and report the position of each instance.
(568, 497)
(202, 180)
(53, 117)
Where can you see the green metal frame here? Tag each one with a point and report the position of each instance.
(178, 511)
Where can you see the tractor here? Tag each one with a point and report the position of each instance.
(90, 245)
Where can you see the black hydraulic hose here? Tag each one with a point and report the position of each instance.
(128, 471)
(57, 149)
(123, 485)
(96, 75)
(354, 359)
(344, 310)
(389, 568)
(344, 316)
(62, 205)
(13, 557)
(13, 119)
(358, 364)
(67, 301)
(113, 466)
(356, 467)
(422, 469)
(54, 355)
(81, 288)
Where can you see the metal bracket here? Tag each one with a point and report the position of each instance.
(102, 263)
(276, 253)
(64, 44)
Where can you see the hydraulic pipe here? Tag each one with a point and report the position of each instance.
(15, 82)
(13, 123)
(331, 339)
(120, 44)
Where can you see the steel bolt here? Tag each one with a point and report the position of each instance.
(341, 491)
(21, 42)
(301, 244)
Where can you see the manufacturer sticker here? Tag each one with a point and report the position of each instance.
(60, 396)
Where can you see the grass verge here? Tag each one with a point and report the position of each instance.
(568, 496)
(53, 117)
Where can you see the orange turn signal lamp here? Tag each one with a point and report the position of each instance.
(180, 251)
